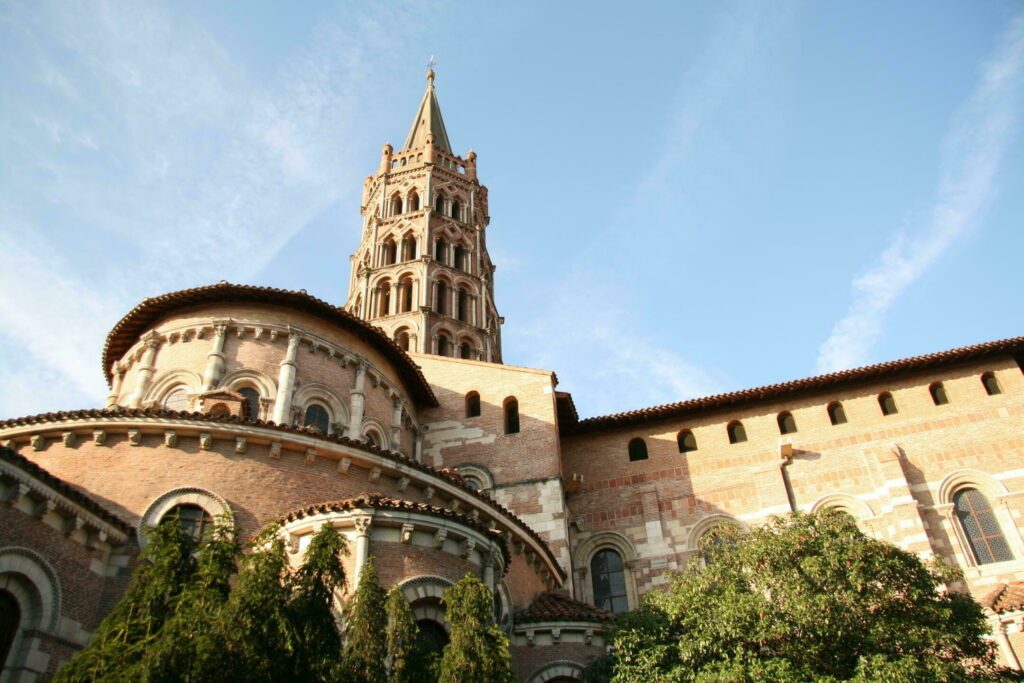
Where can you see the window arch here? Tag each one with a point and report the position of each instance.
(442, 297)
(991, 384)
(396, 204)
(737, 433)
(608, 581)
(511, 407)
(441, 250)
(444, 344)
(177, 399)
(194, 519)
(383, 299)
(402, 338)
(686, 441)
(456, 210)
(887, 403)
(473, 404)
(980, 527)
(439, 202)
(459, 257)
(465, 350)
(836, 413)
(414, 201)
(463, 305)
(404, 294)
(938, 393)
(250, 403)
(214, 506)
(317, 417)
(787, 423)
(637, 449)
(389, 252)
(408, 248)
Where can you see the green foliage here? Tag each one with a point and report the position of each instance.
(365, 627)
(318, 641)
(478, 650)
(806, 597)
(116, 651)
(406, 661)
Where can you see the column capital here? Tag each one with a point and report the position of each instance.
(362, 524)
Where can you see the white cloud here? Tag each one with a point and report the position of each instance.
(972, 153)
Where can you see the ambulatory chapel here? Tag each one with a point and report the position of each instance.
(394, 418)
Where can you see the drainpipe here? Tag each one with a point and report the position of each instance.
(786, 454)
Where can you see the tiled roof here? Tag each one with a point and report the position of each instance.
(98, 414)
(1007, 597)
(379, 502)
(65, 489)
(151, 310)
(801, 387)
(556, 607)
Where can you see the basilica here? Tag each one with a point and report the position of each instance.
(394, 418)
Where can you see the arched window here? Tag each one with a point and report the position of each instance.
(991, 384)
(177, 399)
(439, 202)
(715, 539)
(637, 449)
(396, 204)
(472, 404)
(405, 296)
(402, 339)
(441, 251)
(938, 393)
(459, 257)
(836, 414)
(442, 298)
(887, 403)
(383, 299)
(456, 210)
(465, 350)
(443, 345)
(737, 434)
(250, 403)
(408, 248)
(609, 581)
(980, 527)
(414, 201)
(431, 638)
(787, 424)
(374, 438)
(389, 252)
(317, 417)
(687, 441)
(511, 415)
(10, 622)
(192, 518)
(463, 312)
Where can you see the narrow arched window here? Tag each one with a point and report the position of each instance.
(836, 414)
(459, 257)
(192, 518)
(414, 201)
(396, 205)
(980, 527)
(608, 574)
(443, 345)
(687, 441)
(456, 210)
(887, 403)
(177, 399)
(938, 393)
(737, 434)
(463, 312)
(390, 252)
(317, 418)
(250, 403)
(384, 300)
(472, 404)
(441, 251)
(991, 384)
(408, 248)
(465, 350)
(373, 438)
(511, 416)
(10, 623)
(402, 339)
(637, 449)
(442, 298)
(787, 423)
(439, 203)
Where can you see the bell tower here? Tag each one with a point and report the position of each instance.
(422, 272)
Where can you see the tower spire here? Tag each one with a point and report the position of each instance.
(428, 120)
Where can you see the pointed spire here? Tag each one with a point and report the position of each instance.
(428, 121)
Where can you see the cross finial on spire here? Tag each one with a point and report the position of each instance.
(430, 69)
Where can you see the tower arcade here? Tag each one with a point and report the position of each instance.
(421, 271)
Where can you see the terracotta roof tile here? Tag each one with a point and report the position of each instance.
(65, 489)
(1007, 597)
(800, 387)
(556, 607)
(151, 310)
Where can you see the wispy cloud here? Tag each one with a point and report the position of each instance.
(141, 157)
(972, 152)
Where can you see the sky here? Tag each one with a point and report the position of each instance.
(685, 198)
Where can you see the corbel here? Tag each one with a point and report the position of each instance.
(9, 443)
(99, 437)
(206, 441)
(556, 635)
(403, 483)
(171, 439)
(44, 507)
(343, 465)
(73, 524)
(428, 493)
(134, 437)
(16, 493)
(275, 450)
(310, 456)
(467, 548)
(257, 333)
(439, 538)
(38, 442)
(455, 505)
(68, 439)
(588, 636)
(374, 474)
(530, 635)
(273, 335)
(407, 530)
(241, 443)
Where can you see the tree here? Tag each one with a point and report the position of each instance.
(318, 642)
(365, 628)
(408, 663)
(478, 650)
(806, 597)
(116, 651)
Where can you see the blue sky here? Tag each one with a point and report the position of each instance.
(686, 198)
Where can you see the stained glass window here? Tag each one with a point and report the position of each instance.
(609, 581)
(317, 417)
(981, 527)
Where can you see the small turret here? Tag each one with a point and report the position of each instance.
(385, 157)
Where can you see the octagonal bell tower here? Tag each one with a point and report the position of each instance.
(422, 272)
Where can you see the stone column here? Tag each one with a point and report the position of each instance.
(1005, 647)
(418, 446)
(286, 382)
(396, 424)
(488, 562)
(355, 424)
(146, 370)
(215, 359)
(115, 385)
(362, 545)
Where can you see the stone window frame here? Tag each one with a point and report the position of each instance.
(996, 493)
(35, 586)
(561, 668)
(265, 386)
(374, 425)
(705, 525)
(859, 509)
(478, 474)
(338, 414)
(427, 587)
(171, 381)
(214, 505)
(584, 555)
